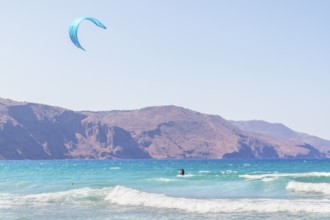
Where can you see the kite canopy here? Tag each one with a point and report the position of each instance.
(73, 29)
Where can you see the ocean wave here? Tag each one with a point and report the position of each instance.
(73, 197)
(277, 175)
(70, 195)
(115, 168)
(323, 188)
(121, 195)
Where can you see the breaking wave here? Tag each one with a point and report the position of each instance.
(124, 196)
(121, 195)
(323, 188)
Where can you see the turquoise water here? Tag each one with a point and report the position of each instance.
(150, 189)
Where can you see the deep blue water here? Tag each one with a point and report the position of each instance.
(149, 189)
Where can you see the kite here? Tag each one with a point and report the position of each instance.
(73, 29)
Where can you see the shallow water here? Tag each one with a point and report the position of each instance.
(149, 189)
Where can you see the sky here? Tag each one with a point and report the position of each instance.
(242, 60)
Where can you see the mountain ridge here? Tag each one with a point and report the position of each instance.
(279, 130)
(36, 131)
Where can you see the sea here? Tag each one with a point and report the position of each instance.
(152, 189)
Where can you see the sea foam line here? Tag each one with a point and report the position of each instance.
(277, 175)
(204, 171)
(161, 179)
(121, 195)
(228, 172)
(74, 196)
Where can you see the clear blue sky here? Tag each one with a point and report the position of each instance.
(241, 60)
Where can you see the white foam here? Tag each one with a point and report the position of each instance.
(5, 200)
(115, 168)
(126, 196)
(74, 193)
(161, 179)
(323, 188)
(269, 179)
(203, 171)
(228, 172)
(75, 196)
(277, 175)
(186, 175)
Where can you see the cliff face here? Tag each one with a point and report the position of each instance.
(281, 132)
(34, 131)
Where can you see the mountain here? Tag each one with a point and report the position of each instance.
(36, 131)
(280, 131)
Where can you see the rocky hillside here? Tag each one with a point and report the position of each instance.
(35, 131)
(280, 131)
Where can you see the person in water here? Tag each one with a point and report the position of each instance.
(181, 172)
